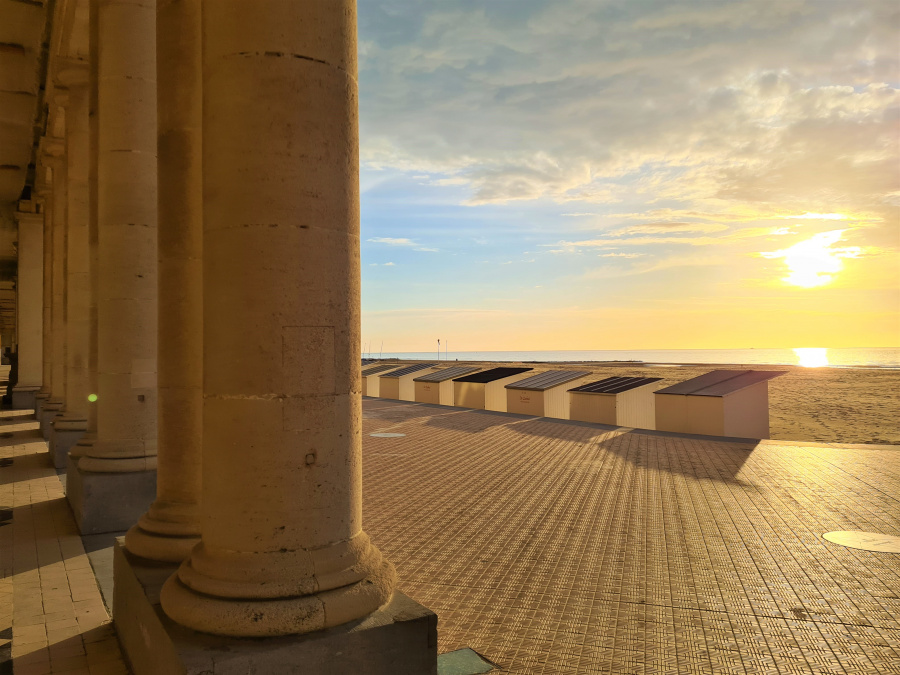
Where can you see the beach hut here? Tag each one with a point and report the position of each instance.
(719, 403)
(544, 394)
(370, 377)
(437, 387)
(485, 390)
(399, 385)
(620, 401)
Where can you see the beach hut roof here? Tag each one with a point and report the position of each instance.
(491, 375)
(410, 369)
(548, 380)
(615, 385)
(380, 369)
(446, 374)
(720, 382)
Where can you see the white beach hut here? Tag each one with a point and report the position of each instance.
(486, 390)
(437, 387)
(544, 395)
(370, 377)
(399, 385)
(619, 401)
(719, 403)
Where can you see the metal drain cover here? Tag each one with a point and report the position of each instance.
(868, 541)
(386, 435)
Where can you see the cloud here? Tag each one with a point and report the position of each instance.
(392, 241)
(620, 255)
(733, 103)
(664, 227)
(401, 241)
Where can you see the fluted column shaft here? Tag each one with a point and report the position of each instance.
(283, 550)
(47, 298)
(77, 262)
(29, 301)
(126, 247)
(87, 440)
(58, 280)
(171, 527)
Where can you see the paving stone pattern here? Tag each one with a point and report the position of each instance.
(560, 547)
(52, 618)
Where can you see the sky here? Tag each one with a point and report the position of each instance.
(641, 174)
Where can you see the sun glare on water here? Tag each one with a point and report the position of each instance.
(814, 262)
(811, 357)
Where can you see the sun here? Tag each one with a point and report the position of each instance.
(811, 357)
(814, 262)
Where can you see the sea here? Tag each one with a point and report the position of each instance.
(811, 357)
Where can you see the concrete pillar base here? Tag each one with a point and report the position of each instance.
(398, 639)
(64, 435)
(108, 502)
(49, 411)
(23, 398)
(40, 399)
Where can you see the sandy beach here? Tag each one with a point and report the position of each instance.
(831, 405)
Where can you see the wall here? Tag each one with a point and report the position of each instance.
(706, 415)
(747, 412)
(596, 408)
(389, 387)
(671, 413)
(469, 395)
(637, 408)
(429, 392)
(525, 402)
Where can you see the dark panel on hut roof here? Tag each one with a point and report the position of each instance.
(615, 385)
(548, 380)
(380, 369)
(446, 374)
(410, 369)
(492, 375)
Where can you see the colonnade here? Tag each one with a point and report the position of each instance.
(195, 261)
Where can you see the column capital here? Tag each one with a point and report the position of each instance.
(27, 218)
(51, 148)
(70, 73)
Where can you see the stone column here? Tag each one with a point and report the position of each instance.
(45, 196)
(54, 405)
(29, 310)
(115, 478)
(282, 546)
(72, 423)
(90, 434)
(171, 527)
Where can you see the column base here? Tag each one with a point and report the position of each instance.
(40, 398)
(23, 398)
(64, 435)
(49, 411)
(398, 639)
(108, 502)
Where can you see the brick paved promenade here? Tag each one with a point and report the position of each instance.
(554, 547)
(548, 547)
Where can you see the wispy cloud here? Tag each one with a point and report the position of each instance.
(401, 241)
